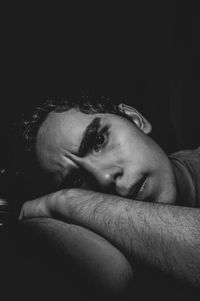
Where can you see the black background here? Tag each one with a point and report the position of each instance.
(147, 53)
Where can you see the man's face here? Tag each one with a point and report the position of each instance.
(104, 152)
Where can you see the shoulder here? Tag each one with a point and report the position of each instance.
(188, 164)
(189, 158)
(187, 154)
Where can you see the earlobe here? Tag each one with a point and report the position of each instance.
(141, 122)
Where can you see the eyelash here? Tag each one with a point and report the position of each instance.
(104, 133)
(74, 181)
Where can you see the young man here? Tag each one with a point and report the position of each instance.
(111, 177)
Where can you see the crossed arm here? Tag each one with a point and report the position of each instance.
(164, 237)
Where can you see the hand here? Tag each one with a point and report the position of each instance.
(35, 208)
(67, 204)
(48, 205)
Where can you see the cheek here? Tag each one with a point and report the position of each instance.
(127, 147)
(120, 152)
(136, 153)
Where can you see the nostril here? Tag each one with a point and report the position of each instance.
(118, 172)
(106, 180)
(112, 175)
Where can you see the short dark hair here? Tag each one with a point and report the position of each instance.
(86, 104)
(25, 158)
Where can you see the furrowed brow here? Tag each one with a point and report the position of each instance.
(89, 136)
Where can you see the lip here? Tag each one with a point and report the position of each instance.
(137, 189)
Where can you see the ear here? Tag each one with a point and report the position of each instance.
(141, 122)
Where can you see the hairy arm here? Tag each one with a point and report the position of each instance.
(164, 237)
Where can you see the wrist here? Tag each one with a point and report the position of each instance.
(66, 203)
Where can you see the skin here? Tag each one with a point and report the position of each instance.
(115, 163)
(148, 227)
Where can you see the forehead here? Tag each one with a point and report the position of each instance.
(63, 130)
(60, 135)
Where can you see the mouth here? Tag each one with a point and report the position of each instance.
(137, 189)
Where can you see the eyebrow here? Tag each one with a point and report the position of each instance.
(89, 135)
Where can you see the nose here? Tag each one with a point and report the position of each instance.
(108, 178)
(105, 177)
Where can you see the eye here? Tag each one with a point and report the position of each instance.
(78, 182)
(100, 141)
(73, 181)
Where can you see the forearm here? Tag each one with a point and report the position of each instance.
(162, 236)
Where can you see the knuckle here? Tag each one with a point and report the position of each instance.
(70, 193)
